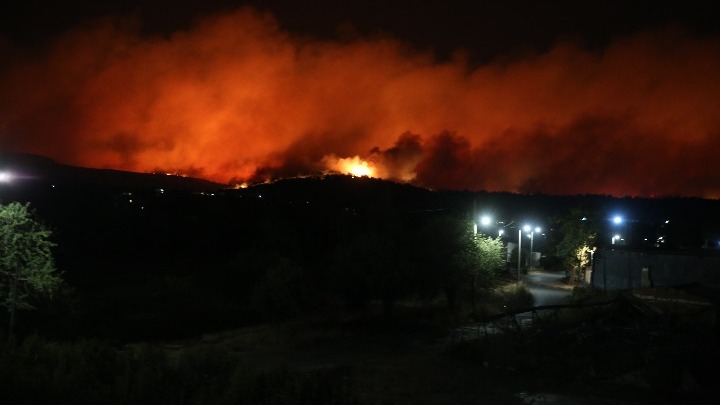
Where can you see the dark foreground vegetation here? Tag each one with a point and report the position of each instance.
(327, 290)
(156, 264)
(95, 372)
(615, 354)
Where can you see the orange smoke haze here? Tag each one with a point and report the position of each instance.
(237, 99)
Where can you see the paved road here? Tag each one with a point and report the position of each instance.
(547, 288)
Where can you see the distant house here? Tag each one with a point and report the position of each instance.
(621, 268)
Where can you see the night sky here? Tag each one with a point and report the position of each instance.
(558, 97)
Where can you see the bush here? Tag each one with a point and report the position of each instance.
(37, 371)
(517, 296)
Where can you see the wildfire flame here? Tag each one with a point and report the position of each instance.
(361, 169)
(355, 166)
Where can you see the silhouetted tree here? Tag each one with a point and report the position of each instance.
(265, 281)
(576, 237)
(373, 265)
(489, 260)
(27, 266)
(452, 257)
(281, 290)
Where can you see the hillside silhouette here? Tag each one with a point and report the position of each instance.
(32, 170)
(45, 182)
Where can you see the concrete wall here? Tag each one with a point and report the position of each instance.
(619, 268)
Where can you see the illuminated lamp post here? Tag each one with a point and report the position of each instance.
(532, 237)
(519, 253)
(485, 221)
(617, 220)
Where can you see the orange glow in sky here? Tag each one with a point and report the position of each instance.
(236, 99)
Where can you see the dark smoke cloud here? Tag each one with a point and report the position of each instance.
(597, 155)
(236, 98)
(399, 163)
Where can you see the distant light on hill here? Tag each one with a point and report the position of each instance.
(5, 177)
(42, 170)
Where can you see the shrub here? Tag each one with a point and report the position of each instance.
(37, 371)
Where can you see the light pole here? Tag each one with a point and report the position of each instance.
(532, 237)
(526, 228)
(617, 221)
(519, 255)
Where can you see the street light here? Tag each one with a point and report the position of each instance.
(5, 177)
(532, 237)
(617, 220)
(485, 221)
(519, 255)
(528, 228)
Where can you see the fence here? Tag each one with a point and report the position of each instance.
(516, 320)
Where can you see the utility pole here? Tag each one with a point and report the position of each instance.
(519, 255)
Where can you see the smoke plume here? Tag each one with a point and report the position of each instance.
(235, 99)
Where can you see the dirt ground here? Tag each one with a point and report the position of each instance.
(391, 363)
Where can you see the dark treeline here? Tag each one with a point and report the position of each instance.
(161, 263)
(143, 262)
(180, 296)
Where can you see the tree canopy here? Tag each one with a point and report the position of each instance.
(577, 237)
(27, 267)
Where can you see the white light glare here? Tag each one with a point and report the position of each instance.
(617, 219)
